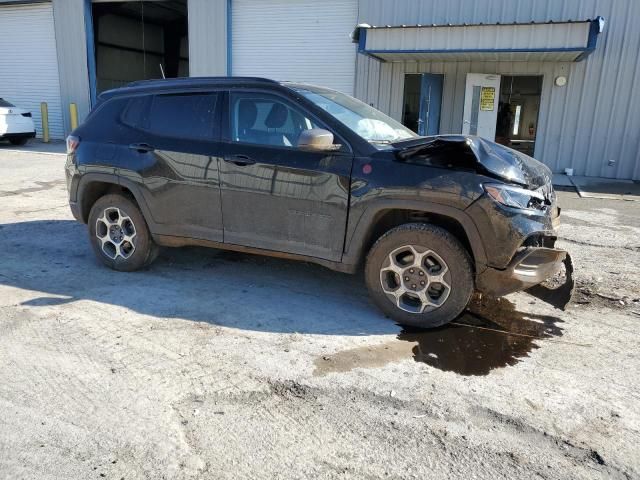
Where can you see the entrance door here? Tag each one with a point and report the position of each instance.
(422, 102)
(430, 104)
(481, 105)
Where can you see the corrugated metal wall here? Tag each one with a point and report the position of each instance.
(595, 118)
(71, 43)
(207, 37)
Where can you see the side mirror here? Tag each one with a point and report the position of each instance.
(317, 139)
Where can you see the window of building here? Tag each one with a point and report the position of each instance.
(184, 116)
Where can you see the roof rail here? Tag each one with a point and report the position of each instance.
(196, 81)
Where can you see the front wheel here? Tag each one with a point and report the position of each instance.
(419, 275)
(119, 234)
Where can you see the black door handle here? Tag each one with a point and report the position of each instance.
(240, 160)
(141, 147)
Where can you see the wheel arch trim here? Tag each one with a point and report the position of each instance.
(366, 224)
(107, 178)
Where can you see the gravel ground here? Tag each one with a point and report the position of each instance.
(223, 365)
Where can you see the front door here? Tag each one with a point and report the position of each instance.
(430, 103)
(276, 196)
(481, 105)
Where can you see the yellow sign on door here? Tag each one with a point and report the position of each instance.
(487, 98)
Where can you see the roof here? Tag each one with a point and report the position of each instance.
(185, 83)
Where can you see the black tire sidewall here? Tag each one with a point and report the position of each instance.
(442, 243)
(145, 250)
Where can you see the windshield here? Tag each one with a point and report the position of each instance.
(4, 103)
(371, 124)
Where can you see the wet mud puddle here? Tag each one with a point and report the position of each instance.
(490, 334)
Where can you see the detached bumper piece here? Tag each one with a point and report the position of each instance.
(529, 268)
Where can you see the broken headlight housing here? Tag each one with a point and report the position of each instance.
(515, 197)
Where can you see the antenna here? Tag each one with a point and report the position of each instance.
(162, 71)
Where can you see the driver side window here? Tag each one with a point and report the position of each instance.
(263, 119)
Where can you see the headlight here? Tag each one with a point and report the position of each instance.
(515, 197)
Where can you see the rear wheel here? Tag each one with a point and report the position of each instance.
(18, 141)
(419, 275)
(119, 234)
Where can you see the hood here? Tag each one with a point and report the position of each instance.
(499, 161)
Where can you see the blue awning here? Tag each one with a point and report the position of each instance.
(569, 41)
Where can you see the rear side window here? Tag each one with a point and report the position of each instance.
(184, 116)
(4, 103)
(136, 112)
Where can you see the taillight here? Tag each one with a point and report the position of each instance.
(72, 144)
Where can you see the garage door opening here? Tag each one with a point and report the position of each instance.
(139, 40)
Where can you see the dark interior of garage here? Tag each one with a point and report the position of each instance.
(518, 110)
(139, 40)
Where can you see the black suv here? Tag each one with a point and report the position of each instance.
(308, 173)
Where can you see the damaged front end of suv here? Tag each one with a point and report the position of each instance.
(517, 215)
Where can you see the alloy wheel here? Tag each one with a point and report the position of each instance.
(415, 279)
(116, 232)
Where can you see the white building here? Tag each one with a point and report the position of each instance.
(558, 80)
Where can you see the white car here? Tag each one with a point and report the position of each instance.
(16, 124)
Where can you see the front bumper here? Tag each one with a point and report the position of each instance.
(529, 267)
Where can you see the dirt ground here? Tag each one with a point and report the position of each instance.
(225, 365)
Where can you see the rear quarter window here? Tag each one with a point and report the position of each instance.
(136, 112)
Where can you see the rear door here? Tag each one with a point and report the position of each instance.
(176, 151)
(275, 195)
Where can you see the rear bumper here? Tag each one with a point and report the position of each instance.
(17, 135)
(529, 267)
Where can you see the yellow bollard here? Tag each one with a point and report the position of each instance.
(73, 111)
(44, 112)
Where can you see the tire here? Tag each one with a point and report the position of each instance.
(119, 234)
(445, 271)
(18, 141)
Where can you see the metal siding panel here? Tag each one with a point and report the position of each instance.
(362, 73)
(591, 120)
(384, 93)
(207, 37)
(397, 91)
(279, 39)
(373, 83)
(29, 73)
(71, 43)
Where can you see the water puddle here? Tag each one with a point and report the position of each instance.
(490, 334)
